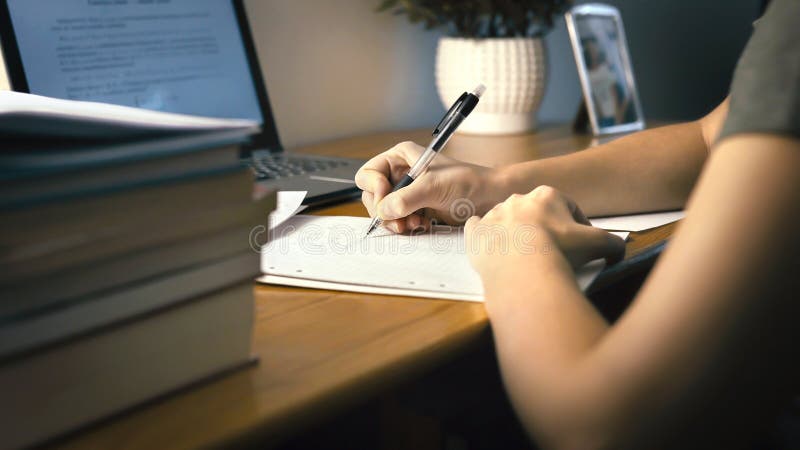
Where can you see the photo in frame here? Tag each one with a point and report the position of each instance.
(604, 68)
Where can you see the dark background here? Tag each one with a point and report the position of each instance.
(683, 53)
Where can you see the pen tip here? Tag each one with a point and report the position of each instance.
(478, 91)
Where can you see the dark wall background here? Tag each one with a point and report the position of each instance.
(683, 52)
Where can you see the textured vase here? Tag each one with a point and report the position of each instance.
(513, 70)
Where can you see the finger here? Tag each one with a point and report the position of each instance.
(577, 214)
(498, 209)
(390, 166)
(368, 199)
(596, 243)
(417, 223)
(402, 203)
(374, 181)
(375, 175)
(560, 200)
(395, 226)
(369, 202)
(413, 223)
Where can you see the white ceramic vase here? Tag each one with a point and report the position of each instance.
(513, 70)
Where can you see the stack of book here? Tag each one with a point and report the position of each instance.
(125, 260)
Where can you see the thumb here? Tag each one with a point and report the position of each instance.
(405, 201)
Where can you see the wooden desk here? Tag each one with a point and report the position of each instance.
(322, 351)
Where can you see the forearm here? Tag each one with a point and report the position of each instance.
(543, 329)
(694, 332)
(646, 171)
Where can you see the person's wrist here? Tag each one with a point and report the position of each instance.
(496, 188)
(544, 266)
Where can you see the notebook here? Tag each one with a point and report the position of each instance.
(637, 222)
(329, 252)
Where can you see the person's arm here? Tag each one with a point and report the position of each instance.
(646, 171)
(706, 352)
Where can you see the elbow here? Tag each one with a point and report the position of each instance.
(582, 409)
(711, 124)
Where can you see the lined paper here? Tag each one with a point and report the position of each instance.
(331, 253)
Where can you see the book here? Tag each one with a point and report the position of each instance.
(53, 149)
(37, 116)
(52, 392)
(91, 313)
(59, 226)
(53, 291)
(150, 246)
(123, 235)
(29, 158)
(38, 260)
(29, 263)
(156, 162)
(637, 222)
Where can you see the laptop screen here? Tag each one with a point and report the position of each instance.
(182, 56)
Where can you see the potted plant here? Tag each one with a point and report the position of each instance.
(494, 42)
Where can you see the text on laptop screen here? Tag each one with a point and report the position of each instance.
(183, 56)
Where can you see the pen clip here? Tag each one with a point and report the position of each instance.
(453, 109)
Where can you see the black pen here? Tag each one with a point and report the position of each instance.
(441, 134)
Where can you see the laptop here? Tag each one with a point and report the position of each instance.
(183, 56)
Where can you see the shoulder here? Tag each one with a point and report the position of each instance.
(765, 93)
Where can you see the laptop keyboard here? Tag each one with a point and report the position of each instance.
(274, 166)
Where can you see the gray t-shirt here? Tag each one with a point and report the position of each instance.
(765, 92)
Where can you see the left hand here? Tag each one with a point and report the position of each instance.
(541, 222)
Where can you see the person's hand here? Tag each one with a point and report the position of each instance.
(449, 191)
(543, 222)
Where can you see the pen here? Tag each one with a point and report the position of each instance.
(441, 134)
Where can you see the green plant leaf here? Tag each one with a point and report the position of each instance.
(481, 18)
(386, 5)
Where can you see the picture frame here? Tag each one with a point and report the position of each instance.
(604, 68)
